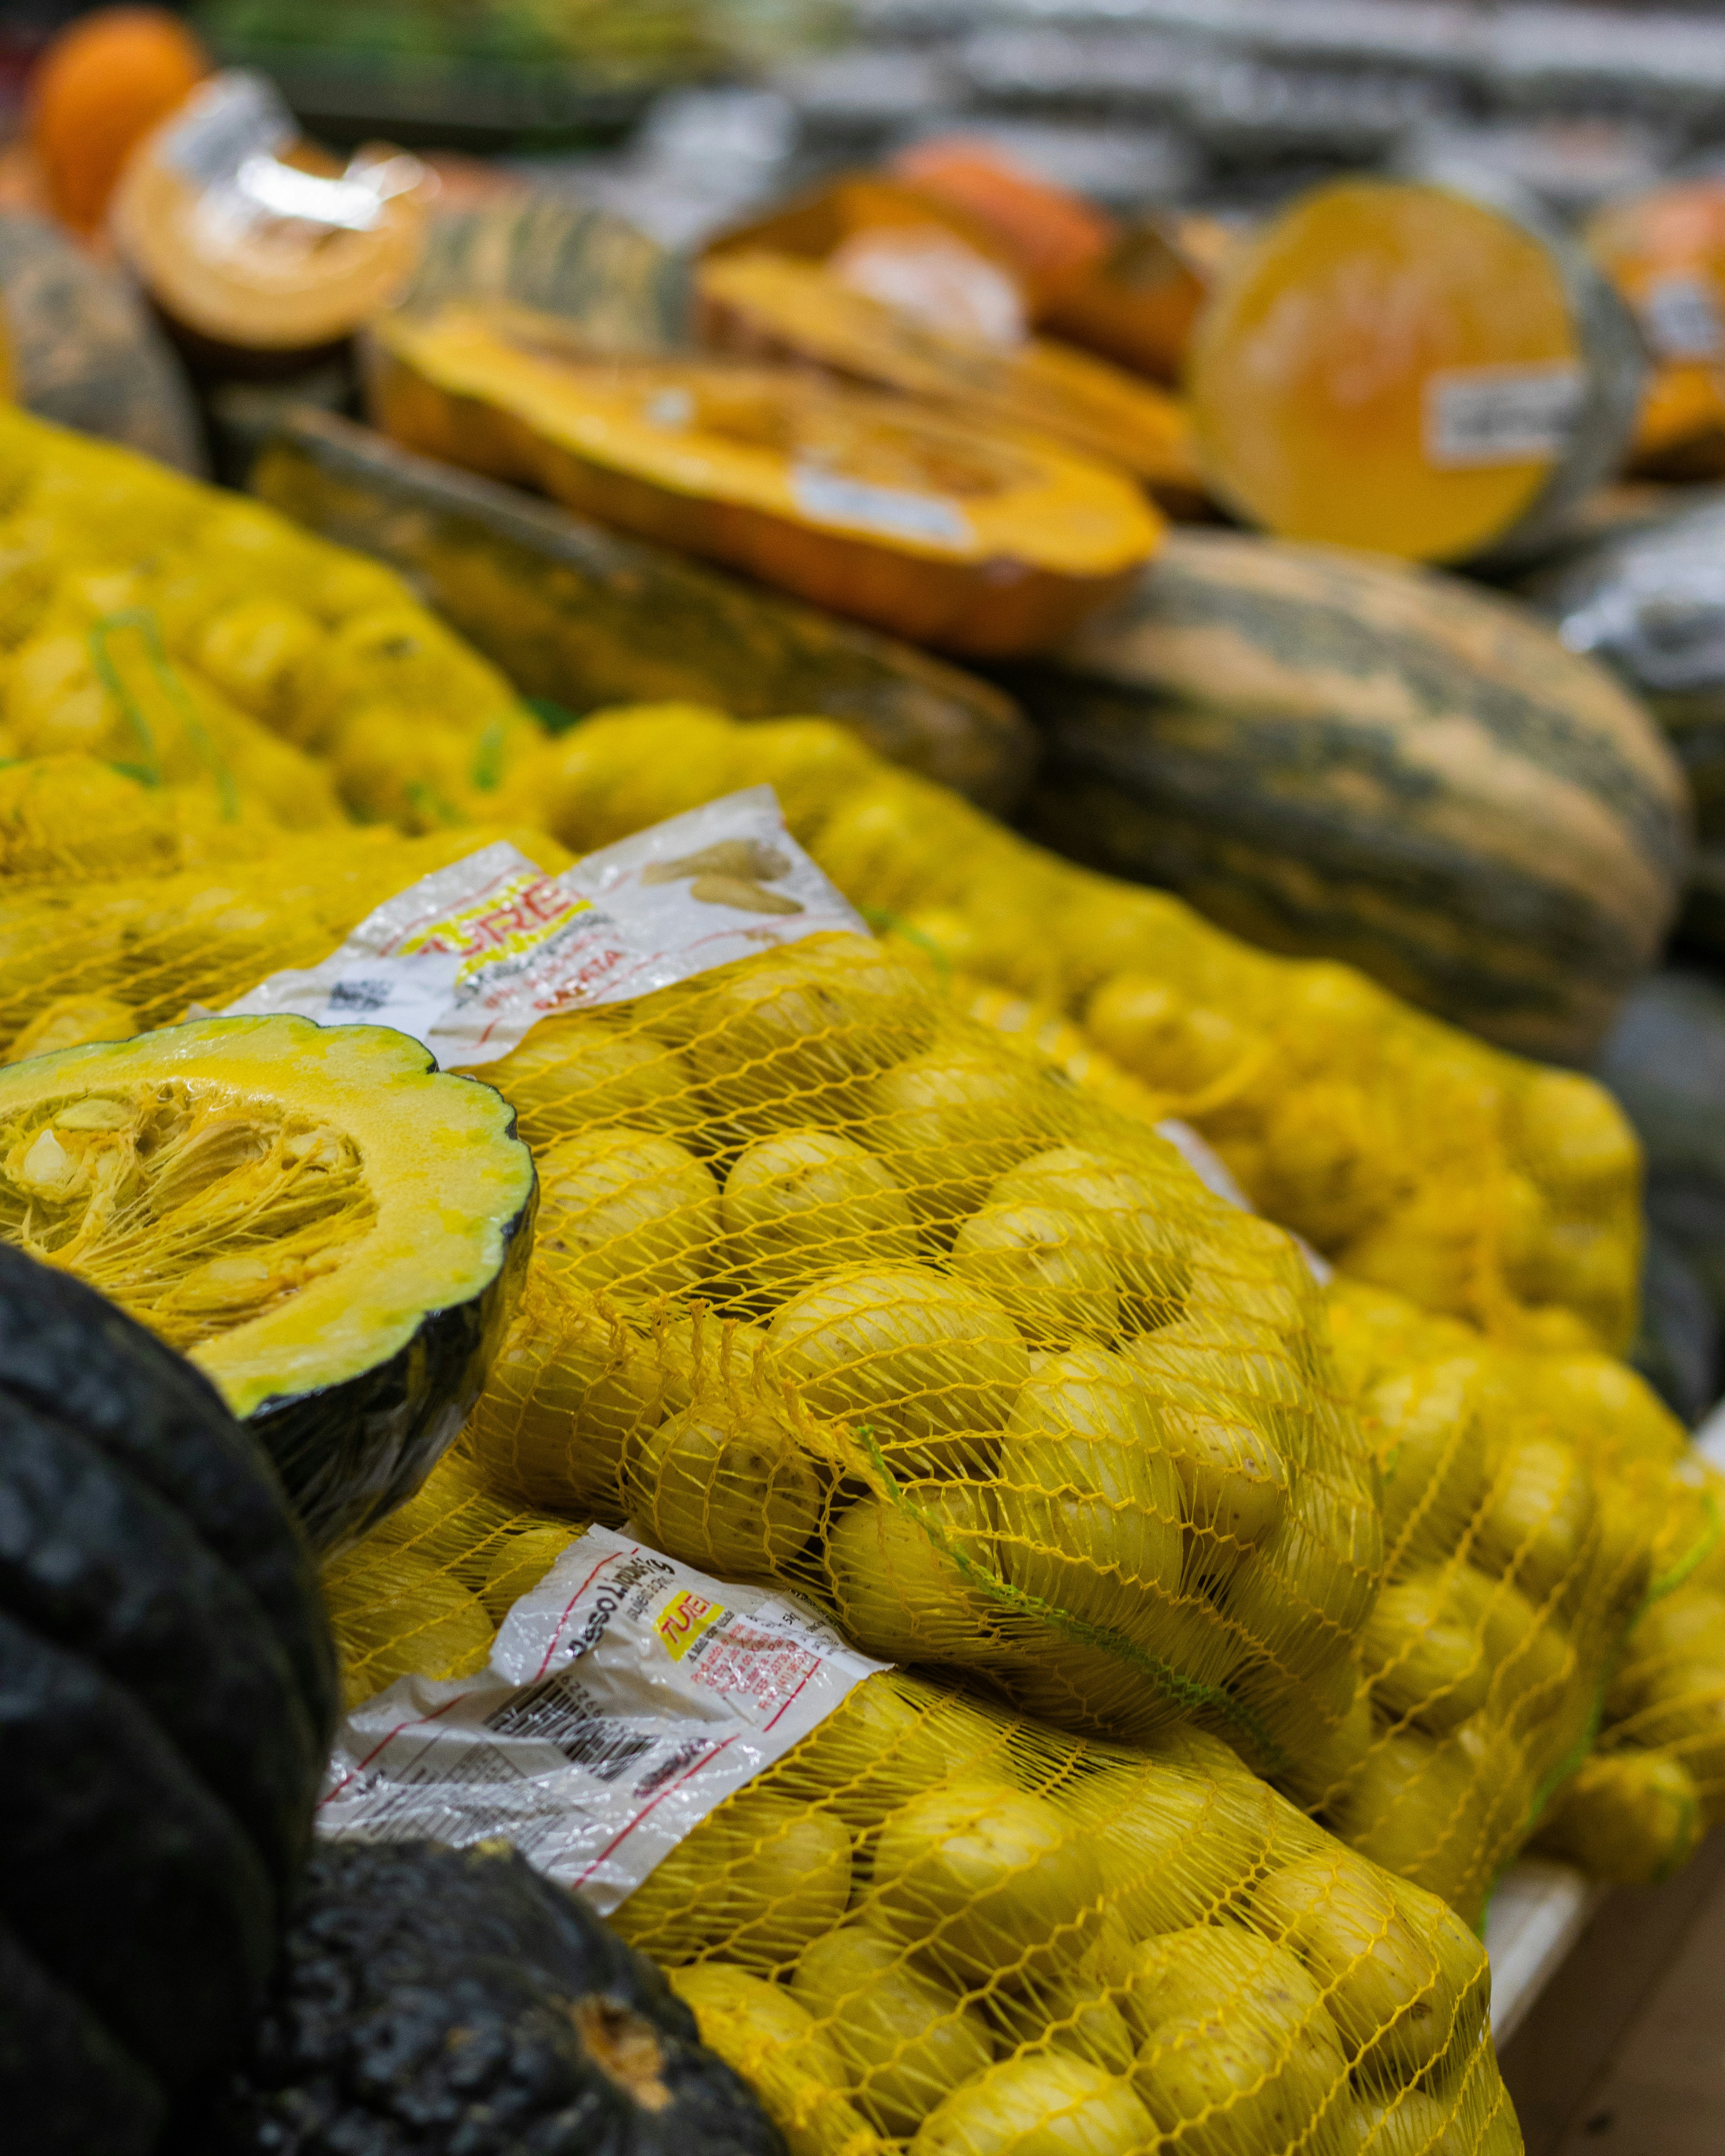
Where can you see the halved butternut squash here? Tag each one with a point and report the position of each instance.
(776, 306)
(1402, 366)
(991, 542)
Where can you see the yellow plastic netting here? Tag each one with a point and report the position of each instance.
(834, 1286)
(1472, 1181)
(1656, 1782)
(939, 1923)
(1533, 1505)
(205, 643)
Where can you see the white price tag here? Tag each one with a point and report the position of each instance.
(828, 497)
(1476, 416)
(1682, 319)
(627, 1696)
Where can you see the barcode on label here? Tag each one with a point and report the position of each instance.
(1681, 317)
(829, 497)
(606, 1748)
(1500, 415)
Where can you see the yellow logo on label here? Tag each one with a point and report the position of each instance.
(515, 917)
(683, 1620)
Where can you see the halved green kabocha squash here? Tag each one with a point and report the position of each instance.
(166, 1699)
(328, 1227)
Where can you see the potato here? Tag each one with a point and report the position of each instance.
(1537, 1517)
(771, 2039)
(1234, 1480)
(1048, 2103)
(890, 1739)
(626, 1210)
(926, 1362)
(730, 1489)
(704, 1355)
(1424, 1650)
(1411, 2124)
(1432, 1454)
(1091, 1520)
(806, 1204)
(576, 1071)
(755, 1882)
(571, 1385)
(1436, 1810)
(1304, 1589)
(1037, 1264)
(518, 1565)
(1141, 1219)
(1397, 1994)
(1629, 1817)
(900, 1595)
(1238, 2052)
(904, 2039)
(949, 1124)
(980, 1877)
(1172, 1849)
(791, 1038)
(397, 1616)
(1233, 1368)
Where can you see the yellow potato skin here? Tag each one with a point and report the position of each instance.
(771, 2040)
(727, 1489)
(949, 1123)
(626, 1211)
(575, 1071)
(804, 1203)
(1050, 2103)
(757, 1881)
(1037, 1264)
(904, 2039)
(901, 1596)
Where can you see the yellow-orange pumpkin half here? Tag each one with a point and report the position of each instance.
(992, 542)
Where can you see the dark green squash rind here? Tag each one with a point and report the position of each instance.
(66, 2088)
(123, 1874)
(437, 2000)
(93, 1559)
(581, 617)
(349, 1453)
(1338, 822)
(84, 351)
(66, 1351)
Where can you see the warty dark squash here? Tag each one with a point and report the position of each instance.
(167, 1700)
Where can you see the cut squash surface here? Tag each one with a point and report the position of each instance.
(904, 515)
(1402, 368)
(302, 1210)
(776, 304)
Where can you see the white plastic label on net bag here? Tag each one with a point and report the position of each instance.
(627, 1696)
(469, 958)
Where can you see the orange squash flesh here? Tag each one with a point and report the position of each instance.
(776, 306)
(990, 542)
(1665, 252)
(1348, 381)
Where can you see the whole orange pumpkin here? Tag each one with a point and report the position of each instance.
(99, 88)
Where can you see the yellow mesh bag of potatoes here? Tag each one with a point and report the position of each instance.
(1655, 1783)
(149, 621)
(79, 958)
(834, 1286)
(935, 1923)
(1534, 1504)
(1414, 1157)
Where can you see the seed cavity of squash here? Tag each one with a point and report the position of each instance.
(626, 2047)
(193, 1210)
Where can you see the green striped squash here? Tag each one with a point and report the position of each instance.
(1334, 755)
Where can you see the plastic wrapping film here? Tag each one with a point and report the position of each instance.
(1536, 1506)
(1411, 1154)
(208, 645)
(930, 1919)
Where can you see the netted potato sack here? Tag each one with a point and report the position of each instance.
(206, 643)
(1413, 1156)
(834, 1287)
(79, 958)
(1655, 1783)
(937, 1923)
(1533, 1505)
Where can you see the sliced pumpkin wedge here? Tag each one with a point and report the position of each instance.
(990, 540)
(330, 1229)
(778, 306)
